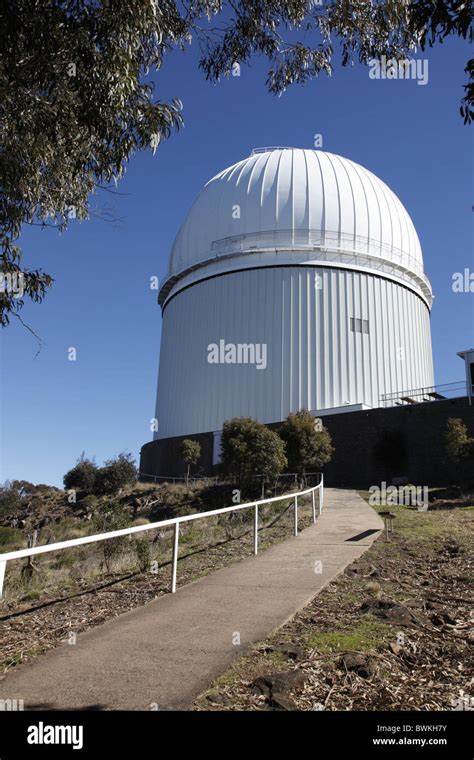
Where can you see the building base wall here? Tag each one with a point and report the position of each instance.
(371, 446)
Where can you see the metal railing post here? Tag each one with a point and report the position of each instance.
(3, 567)
(175, 557)
(313, 497)
(255, 530)
(321, 494)
(174, 522)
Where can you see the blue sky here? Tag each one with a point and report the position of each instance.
(101, 304)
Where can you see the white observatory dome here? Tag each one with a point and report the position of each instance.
(308, 259)
(297, 201)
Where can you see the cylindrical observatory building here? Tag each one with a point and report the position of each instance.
(295, 281)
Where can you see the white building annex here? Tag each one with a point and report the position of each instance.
(310, 259)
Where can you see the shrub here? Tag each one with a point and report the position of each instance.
(459, 445)
(190, 452)
(108, 518)
(24, 487)
(10, 537)
(142, 550)
(307, 445)
(89, 502)
(250, 448)
(115, 474)
(43, 488)
(82, 477)
(11, 499)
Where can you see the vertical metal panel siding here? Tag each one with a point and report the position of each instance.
(314, 359)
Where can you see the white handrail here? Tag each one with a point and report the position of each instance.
(46, 548)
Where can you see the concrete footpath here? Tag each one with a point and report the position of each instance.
(165, 653)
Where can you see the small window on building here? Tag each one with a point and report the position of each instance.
(359, 325)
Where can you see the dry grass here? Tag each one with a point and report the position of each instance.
(72, 591)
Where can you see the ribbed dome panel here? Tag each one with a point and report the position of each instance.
(290, 191)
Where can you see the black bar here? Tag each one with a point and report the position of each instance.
(140, 734)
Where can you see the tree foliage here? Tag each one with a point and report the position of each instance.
(458, 443)
(115, 474)
(76, 104)
(78, 97)
(306, 445)
(25, 488)
(250, 448)
(82, 477)
(190, 453)
(11, 499)
(108, 518)
(15, 495)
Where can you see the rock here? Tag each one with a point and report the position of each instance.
(218, 699)
(433, 605)
(361, 664)
(373, 605)
(448, 618)
(442, 617)
(415, 603)
(277, 683)
(396, 648)
(388, 610)
(293, 652)
(14, 522)
(361, 569)
(452, 547)
(283, 702)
